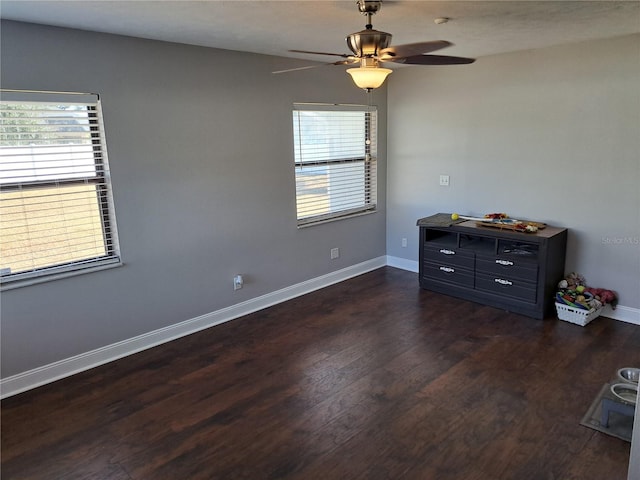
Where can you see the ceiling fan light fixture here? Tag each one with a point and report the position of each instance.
(369, 78)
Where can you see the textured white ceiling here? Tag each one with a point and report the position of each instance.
(478, 28)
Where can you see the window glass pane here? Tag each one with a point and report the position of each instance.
(332, 188)
(43, 142)
(49, 226)
(329, 135)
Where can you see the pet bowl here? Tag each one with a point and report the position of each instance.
(629, 375)
(626, 392)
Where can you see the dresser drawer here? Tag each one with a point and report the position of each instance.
(448, 273)
(449, 256)
(506, 286)
(507, 267)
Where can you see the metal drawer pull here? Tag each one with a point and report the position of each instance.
(502, 282)
(447, 269)
(504, 262)
(447, 252)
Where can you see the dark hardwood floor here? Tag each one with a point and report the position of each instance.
(372, 378)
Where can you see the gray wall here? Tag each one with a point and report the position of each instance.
(550, 135)
(200, 148)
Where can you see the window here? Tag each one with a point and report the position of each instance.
(56, 211)
(335, 158)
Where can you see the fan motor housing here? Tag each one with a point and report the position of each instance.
(367, 43)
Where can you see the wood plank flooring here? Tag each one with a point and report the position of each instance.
(372, 378)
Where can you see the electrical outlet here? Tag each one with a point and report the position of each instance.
(238, 282)
(444, 180)
(335, 253)
(404, 242)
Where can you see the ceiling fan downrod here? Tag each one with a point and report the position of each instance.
(369, 8)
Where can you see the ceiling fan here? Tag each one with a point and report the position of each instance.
(371, 48)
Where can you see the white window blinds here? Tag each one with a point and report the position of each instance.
(56, 211)
(335, 158)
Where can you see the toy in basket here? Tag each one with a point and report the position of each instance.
(579, 304)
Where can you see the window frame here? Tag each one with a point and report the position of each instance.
(369, 161)
(101, 180)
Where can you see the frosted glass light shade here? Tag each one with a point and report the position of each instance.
(369, 77)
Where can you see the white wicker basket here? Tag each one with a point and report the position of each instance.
(578, 316)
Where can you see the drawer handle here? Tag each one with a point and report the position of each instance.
(506, 263)
(502, 282)
(447, 252)
(447, 269)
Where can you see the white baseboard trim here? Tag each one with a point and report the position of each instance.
(64, 368)
(403, 263)
(622, 313)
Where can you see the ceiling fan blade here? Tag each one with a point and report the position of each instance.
(343, 55)
(299, 68)
(339, 62)
(411, 49)
(434, 60)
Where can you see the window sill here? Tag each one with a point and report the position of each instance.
(27, 282)
(335, 219)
